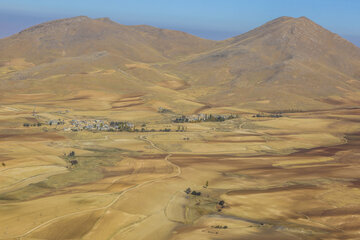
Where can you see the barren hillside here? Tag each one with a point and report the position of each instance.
(287, 63)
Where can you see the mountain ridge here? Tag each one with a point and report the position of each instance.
(79, 35)
(285, 63)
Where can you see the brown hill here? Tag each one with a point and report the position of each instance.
(287, 63)
(66, 57)
(82, 35)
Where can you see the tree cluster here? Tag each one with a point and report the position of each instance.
(203, 118)
(32, 124)
(195, 193)
(259, 115)
(220, 227)
(165, 130)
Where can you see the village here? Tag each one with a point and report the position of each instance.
(76, 125)
(90, 125)
(99, 125)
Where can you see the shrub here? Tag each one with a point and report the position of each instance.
(74, 162)
(195, 193)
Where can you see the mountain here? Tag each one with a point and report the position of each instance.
(287, 63)
(82, 35)
(77, 57)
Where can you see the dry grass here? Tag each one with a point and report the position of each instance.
(124, 188)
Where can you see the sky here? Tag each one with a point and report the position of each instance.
(212, 19)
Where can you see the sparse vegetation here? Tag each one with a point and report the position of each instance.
(181, 129)
(165, 130)
(220, 205)
(195, 193)
(264, 115)
(72, 154)
(164, 110)
(73, 162)
(204, 118)
(32, 124)
(220, 227)
(71, 159)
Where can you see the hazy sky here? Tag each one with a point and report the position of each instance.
(214, 19)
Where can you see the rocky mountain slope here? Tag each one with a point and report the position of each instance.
(286, 63)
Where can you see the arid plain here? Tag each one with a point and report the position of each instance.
(106, 140)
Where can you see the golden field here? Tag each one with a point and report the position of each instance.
(294, 177)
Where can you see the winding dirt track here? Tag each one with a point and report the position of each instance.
(178, 172)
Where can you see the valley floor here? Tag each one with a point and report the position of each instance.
(294, 177)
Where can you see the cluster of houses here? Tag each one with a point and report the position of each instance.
(202, 117)
(97, 125)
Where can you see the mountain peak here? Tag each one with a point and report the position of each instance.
(304, 21)
(303, 18)
(286, 22)
(293, 34)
